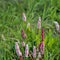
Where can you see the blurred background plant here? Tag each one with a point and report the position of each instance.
(11, 24)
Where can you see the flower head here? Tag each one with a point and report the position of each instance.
(34, 52)
(57, 25)
(26, 51)
(18, 52)
(41, 47)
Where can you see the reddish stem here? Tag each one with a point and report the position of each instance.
(21, 58)
(42, 34)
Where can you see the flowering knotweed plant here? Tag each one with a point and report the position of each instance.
(41, 45)
(31, 37)
(24, 16)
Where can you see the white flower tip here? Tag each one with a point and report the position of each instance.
(55, 22)
(33, 46)
(27, 45)
(39, 18)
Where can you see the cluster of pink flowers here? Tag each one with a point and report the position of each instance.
(40, 47)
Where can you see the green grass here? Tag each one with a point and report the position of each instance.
(11, 25)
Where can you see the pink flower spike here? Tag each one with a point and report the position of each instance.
(34, 52)
(18, 52)
(24, 16)
(41, 47)
(42, 34)
(26, 51)
(23, 34)
(39, 23)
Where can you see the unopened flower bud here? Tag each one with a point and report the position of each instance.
(23, 34)
(23, 43)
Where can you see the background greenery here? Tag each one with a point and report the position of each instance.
(11, 24)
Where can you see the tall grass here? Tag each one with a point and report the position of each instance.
(11, 25)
